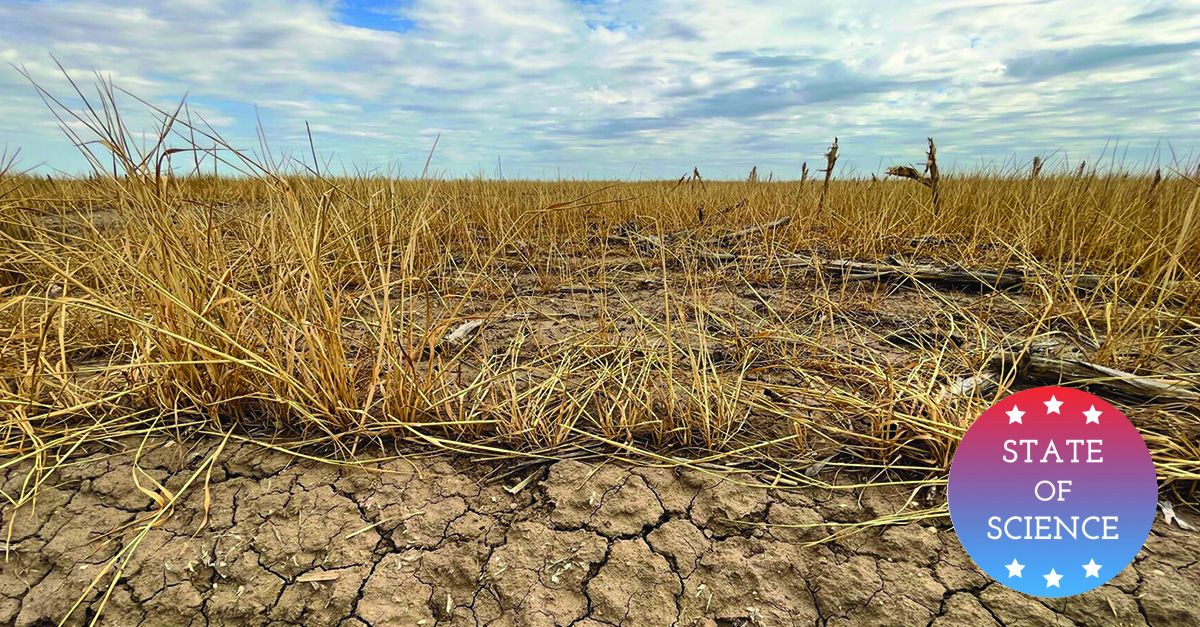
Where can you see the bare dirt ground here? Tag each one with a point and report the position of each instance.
(439, 540)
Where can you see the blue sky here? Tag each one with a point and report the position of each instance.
(630, 88)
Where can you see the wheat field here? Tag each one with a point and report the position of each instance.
(782, 324)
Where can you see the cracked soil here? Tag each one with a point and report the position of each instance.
(434, 541)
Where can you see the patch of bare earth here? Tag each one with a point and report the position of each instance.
(431, 541)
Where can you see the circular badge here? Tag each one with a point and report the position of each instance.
(1052, 492)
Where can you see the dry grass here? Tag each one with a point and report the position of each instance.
(329, 314)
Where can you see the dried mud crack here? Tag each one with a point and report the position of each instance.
(428, 541)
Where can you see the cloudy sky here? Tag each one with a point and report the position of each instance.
(629, 88)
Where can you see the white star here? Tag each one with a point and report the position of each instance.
(1052, 405)
(1014, 415)
(1093, 569)
(1014, 569)
(1092, 416)
(1052, 579)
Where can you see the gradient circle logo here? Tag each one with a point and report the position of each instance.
(1052, 492)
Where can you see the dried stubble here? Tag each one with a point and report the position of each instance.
(615, 316)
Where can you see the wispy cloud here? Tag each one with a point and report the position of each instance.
(600, 88)
(1053, 63)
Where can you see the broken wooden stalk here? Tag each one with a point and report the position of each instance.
(928, 179)
(830, 161)
(931, 169)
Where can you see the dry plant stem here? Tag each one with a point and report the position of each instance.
(755, 228)
(1077, 372)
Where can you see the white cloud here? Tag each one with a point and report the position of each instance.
(595, 87)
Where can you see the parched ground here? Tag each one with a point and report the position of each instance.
(438, 540)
